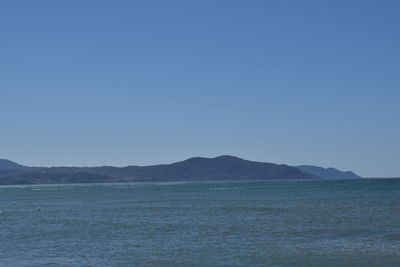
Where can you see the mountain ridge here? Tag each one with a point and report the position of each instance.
(223, 167)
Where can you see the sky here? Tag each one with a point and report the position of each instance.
(91, 83)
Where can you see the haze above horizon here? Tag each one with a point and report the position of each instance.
(89, 83)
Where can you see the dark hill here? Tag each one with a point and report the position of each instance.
(219, 168)
(193, 169)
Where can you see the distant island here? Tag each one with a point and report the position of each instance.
(194, 169)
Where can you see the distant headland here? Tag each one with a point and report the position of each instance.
(193, 169)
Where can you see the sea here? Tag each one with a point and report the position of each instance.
(245, 223)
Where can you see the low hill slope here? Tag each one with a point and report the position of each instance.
(327, 173)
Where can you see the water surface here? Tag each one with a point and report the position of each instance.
(272, 223)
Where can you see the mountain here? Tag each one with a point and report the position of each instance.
(327, 173)
(6, 164)
(193, 169)
(220, 168)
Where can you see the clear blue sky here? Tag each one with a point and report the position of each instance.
(144, 82)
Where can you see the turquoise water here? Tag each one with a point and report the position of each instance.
(273, 223)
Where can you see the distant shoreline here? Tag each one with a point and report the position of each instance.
(201, 182)
(222, 168)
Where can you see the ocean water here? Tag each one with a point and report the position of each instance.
(269, 223)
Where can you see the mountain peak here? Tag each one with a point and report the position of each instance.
(222, 157)
(228, 157)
